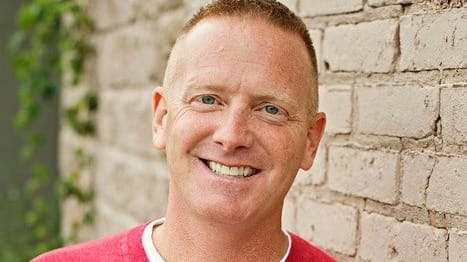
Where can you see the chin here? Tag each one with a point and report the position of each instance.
(224, 213)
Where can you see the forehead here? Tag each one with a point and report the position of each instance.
(249, 48)
(246, 35)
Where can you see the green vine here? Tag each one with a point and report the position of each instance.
(51, 40)
(80, 115)
(69, 188)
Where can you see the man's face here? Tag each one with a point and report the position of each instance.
(235, 121)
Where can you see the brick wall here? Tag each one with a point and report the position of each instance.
(389, 181)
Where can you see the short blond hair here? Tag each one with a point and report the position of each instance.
(272, 12)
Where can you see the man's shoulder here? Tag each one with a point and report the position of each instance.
(302, 250)
(119, 247)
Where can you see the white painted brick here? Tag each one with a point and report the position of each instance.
(69, 141)
(331, 226)
(365, 173)
(193, 6)
(157, 8)
(447, 186)
(385, 239)
(112, 13)
(403, 111)
(430, 41)
(377, 3)
(125, 119)
(454, 115)
(316, 37)
(367, 47)
(336, 102)
(416, 169)
(106, 13)
(288, 213)
(130, 55)
(325, 7)
(316, 175)
(72, 211)
(136, 185)
(109, 220)
(458, 246)
(71, 214)
(291, 4)
(133, 55)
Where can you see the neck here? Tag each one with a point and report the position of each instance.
(192, 238)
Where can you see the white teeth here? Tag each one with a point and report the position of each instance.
(225, 170)
(230, 171)
(234, 171)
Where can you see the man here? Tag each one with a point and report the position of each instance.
(237, 116)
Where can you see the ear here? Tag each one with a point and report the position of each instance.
(315, 133)
(159, 119)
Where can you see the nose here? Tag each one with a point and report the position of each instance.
(233, 131)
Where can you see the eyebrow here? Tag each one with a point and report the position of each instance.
(277, 97)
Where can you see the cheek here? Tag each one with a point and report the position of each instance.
(286, 142)
(187, 128)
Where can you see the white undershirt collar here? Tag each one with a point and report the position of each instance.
(154, 256)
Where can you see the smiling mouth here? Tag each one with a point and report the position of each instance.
(235, 171)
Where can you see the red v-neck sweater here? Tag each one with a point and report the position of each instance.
(127, 247)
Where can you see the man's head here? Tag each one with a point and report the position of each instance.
(272, 12)
(234, 115)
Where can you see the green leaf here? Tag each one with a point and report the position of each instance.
(28, 15)
(31, 218)
(47, 31)
(26, 115)
(41, 173)
(41, 231)
(15, 42)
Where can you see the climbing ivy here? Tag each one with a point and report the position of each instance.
(49, 47)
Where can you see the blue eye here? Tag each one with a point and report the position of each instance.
(209, 100)
(271, 109)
